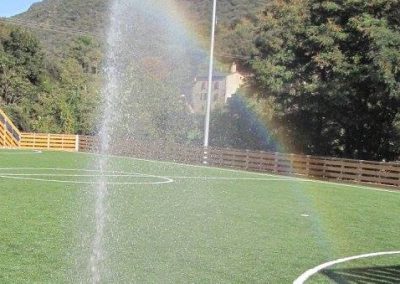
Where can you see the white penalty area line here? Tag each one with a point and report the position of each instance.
(309, 273)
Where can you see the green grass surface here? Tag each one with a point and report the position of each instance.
(208, 226)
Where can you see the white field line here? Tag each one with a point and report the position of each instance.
(30, 153)
(309, 273)
(222, 169)
(32, 176)
(184, 165)
(34, 152)
(206, 178)
(254, 173)
(68, 169)
(134, 174)
(125, 174)
(348, 185)
(167, 179)
(88, 182)
(70, 175)
(65, 169)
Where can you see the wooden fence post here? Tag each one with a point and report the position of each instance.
(359, 171)
(48, 141)
(205, 156)
(308, 165)
(276, 162)
(260, 164)
(291, 159)
(76, 143)
(341, 170)
(5, 131)
(380, 172)
(247, 159)
(4, 136)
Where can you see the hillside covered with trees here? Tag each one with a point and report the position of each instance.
(325, 74)
(47, 94)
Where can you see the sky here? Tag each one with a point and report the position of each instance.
(10, 8)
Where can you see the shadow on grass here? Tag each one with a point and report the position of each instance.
(373, 275)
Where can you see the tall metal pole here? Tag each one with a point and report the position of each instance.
(210, 76)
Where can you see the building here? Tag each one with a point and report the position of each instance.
(224, 86)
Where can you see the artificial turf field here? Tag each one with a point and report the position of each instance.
(171, 223)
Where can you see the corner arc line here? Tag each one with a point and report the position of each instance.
(306, 275)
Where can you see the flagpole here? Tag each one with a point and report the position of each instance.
(210, 77)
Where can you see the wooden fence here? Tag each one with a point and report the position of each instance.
(335, 169)
(9, 133)
(346, 170)
(49, 141)
(87, 143)
(157, 150)
(380, 173)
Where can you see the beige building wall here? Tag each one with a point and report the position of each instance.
(233, 83)
(199, 94)
(223, 88)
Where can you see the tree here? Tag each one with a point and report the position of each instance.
(27, 54)
(237, 125)
(21, 70)
(332, 69)
(47, 94)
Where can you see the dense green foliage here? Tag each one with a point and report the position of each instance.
(238, 125)
(326, 75)
(58, 23)
(42, 95)
(333, 69)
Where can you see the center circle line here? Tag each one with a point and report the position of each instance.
(27, 176)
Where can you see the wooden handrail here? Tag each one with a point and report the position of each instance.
(326, 168)
(9, 121)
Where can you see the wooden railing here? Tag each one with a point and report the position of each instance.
(346, 170)
(9, 133)
(308, 166)
(158, 151)
(87, 143)
(324, 168)
(49, 141)
(10, 136)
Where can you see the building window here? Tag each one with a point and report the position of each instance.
(215, 97)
